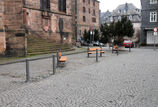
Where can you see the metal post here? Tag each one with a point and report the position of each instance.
(112, 48)
(130, 48)
(57, 58)
(27, 70)
(154, 43)
(54, 67)
(117, 52)
(101, 51)
(88, 52)
(96, 55)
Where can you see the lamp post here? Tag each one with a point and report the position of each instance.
(93, 35)
(112, 43)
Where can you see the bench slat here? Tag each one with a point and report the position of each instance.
(63, 59)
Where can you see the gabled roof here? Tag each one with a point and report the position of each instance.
(126, 9)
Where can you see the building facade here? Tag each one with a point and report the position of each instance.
(149, 21)
(86, 16)
(49, 19)
(125, 10)
(2, 35)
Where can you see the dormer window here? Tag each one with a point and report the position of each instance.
(111, 19)
(153, 1)
(119, 18)
(130, 17)
(125, 11)
(119, 11)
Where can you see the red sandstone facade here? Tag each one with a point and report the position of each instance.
(49, 19)
(2, 35)
(86, 16)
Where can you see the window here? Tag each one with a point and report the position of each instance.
(89, 1)
(94, 20)
(93, 2)
(119, 11)
(125, 11)
(84, 10)
(84, 19)
(119, 18)
(45, 4)
(61, 24)
(94, 12)
(62, 5)
(153, 1)
(111, 19)
(130, 17)
(153, 16)
(89, 10)
(83, 1)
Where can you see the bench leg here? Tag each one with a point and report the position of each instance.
(57, 58)
(88, 55)
(117, 52)
(100, 54)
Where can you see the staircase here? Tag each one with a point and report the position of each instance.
(37, 45)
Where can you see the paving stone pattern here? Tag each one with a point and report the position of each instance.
(127, 80)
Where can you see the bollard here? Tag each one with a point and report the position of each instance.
(130, 48)
(54, 67)
(112, 50)
(57, 58)
(117, 52)
(88, 52)
(27, 70)
(101, 52)
(96, 55)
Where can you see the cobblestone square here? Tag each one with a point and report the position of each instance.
(126, 80)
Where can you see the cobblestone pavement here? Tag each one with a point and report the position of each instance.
(127, 80)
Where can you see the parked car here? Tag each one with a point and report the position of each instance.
(101, 44)
(97, 43)
(84, 43)
(128, 44)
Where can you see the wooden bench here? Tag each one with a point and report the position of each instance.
(93, 50)
(115, 48)
(61, 59)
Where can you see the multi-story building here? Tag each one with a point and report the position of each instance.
(130, 11)
(86, 16)
(149, 21)
(50, 19)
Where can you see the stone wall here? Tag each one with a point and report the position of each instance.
(46, 24)
(15, 37)
(2, 35)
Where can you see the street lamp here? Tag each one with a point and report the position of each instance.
(93, 35)
(112, 40)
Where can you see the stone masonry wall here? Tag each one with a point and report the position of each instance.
(36, 20)
(15, 37)
(2, 35)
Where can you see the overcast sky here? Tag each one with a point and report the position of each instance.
(112, 4)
